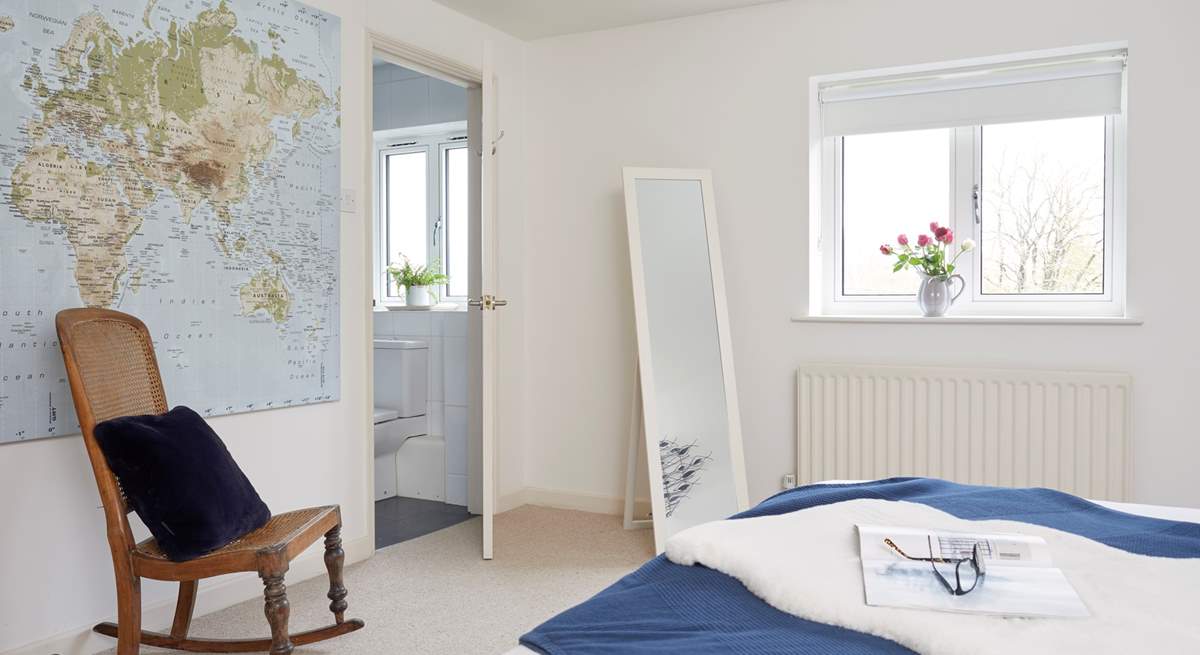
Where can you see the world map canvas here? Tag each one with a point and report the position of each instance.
(177, 160)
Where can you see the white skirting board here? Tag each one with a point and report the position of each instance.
(581, 502)
(212, 597)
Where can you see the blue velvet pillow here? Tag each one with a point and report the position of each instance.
(181, 480)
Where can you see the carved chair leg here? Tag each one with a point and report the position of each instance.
(129, 616)
(277, 610)
(183, 609)
(334, 559)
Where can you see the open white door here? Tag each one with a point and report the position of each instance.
(482, 324)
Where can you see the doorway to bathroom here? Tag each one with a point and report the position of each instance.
(426, 370)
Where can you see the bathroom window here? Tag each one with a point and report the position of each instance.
(423, 210)
(455, 201)
(406, 209)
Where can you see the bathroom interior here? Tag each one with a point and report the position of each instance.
(420, 353)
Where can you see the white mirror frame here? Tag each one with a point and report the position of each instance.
(724, 338)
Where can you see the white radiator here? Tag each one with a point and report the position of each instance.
(1013, 428)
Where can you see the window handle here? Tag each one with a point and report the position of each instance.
(975, 202)
(437, 231)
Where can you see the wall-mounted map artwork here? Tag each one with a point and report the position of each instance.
(177, 160)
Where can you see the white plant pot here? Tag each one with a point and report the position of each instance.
(418, 297)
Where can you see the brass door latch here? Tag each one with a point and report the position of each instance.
(487, 302)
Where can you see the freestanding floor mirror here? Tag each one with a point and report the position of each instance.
(685, 358)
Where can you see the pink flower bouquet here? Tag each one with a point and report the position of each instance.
(931, 254)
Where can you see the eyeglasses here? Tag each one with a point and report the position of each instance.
(972, 575)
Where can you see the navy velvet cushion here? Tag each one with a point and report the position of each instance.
(181, 480)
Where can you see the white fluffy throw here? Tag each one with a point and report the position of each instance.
(807, 564)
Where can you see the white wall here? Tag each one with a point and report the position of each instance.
(54, 560)
(725, 91)
(729, 92)
(405, 98)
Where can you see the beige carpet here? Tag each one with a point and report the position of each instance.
(434, 595)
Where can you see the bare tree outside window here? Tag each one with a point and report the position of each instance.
(1042, 207)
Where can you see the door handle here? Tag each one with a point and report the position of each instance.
(487, 302)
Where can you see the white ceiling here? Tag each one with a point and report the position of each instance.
(535, 19)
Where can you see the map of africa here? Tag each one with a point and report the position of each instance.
(177, 160)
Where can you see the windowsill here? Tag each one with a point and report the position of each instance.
(973, 320)
(444, 307)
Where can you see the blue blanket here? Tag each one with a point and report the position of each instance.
(667, 608)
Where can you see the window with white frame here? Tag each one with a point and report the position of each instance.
(1023, 156)
(423, 212)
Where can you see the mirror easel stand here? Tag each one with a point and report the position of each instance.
(637, 439)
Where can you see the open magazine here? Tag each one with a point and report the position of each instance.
(1019, 578)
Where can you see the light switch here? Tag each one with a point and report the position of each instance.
(349, 201)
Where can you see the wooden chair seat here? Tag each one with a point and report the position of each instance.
(290, 532)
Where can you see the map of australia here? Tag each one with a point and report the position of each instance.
(177, 160)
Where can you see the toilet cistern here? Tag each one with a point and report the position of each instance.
(401, 398)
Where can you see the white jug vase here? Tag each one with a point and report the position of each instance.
(934, 297)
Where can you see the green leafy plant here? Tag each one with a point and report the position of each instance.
(409, 276)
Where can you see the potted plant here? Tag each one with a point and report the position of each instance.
(930, 259)
(417, 281)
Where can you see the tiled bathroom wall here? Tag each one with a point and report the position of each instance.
(446, 334)
(405, 98)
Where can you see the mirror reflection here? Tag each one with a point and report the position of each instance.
(688, 388)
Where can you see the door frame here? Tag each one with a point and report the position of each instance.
(434, 65)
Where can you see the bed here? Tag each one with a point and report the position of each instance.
(666, 608)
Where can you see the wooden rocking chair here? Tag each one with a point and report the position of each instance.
(113, 372)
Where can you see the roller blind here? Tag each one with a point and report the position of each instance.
(953, 97)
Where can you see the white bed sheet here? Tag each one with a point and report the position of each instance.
(1188, 514)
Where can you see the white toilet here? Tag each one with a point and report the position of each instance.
(401, 392)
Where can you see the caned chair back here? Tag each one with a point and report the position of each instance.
(113, 372)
